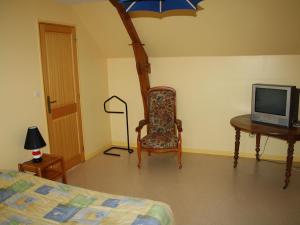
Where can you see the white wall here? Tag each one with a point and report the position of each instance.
(21, 77)
(210, 91)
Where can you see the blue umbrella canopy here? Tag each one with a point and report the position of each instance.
(159, 6)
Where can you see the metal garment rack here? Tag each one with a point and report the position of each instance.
(106, 152)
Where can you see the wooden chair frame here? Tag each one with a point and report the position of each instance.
(144, 122)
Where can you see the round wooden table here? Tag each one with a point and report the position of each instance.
(291, 135)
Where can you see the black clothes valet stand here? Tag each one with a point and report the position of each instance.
(106, 152)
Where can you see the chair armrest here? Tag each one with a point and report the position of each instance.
(179, 125)
(142, 123)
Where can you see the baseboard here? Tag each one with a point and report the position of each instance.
(241, 154)
(123, 144)
(88, 155)
(221, 152)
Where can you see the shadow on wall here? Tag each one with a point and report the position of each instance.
(158, 15)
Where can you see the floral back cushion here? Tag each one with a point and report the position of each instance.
(161, 106)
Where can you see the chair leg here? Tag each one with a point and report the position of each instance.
(179, 157)
(149, 153)
(139, 152)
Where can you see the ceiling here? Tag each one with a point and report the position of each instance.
(77, 1)
(221, 28)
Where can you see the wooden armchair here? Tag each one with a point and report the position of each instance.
(161, 122)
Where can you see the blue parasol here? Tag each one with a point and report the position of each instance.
(159, 6)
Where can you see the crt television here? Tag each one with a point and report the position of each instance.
(275, 104)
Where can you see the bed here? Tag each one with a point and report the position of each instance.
(26, 199)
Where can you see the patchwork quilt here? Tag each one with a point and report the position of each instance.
(26, 199)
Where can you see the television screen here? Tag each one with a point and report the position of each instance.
(271, 101)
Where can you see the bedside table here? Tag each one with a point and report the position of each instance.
(52, 167)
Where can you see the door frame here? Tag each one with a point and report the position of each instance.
(60, 28)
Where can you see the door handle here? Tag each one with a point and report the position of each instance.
(49, 102)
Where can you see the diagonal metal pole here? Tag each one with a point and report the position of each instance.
(141, 57)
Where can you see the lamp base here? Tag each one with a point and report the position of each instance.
(37, 160)
(37, 156)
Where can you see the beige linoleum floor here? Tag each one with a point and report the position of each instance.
(207, 191)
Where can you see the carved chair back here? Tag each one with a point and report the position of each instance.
(161, 110)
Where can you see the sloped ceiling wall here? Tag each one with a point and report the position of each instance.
(223, 27)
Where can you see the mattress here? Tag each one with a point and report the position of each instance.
(26, 199)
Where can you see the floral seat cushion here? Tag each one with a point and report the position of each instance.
(159, 141)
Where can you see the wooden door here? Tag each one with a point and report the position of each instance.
(59, 63)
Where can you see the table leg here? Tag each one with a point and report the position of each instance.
(20, 167)
(237, 146)
(39, 172)
(257, 149)
(64, 177)
(289, 163)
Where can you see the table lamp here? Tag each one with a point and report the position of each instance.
(34, 141)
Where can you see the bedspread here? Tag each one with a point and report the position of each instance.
(26, 199)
